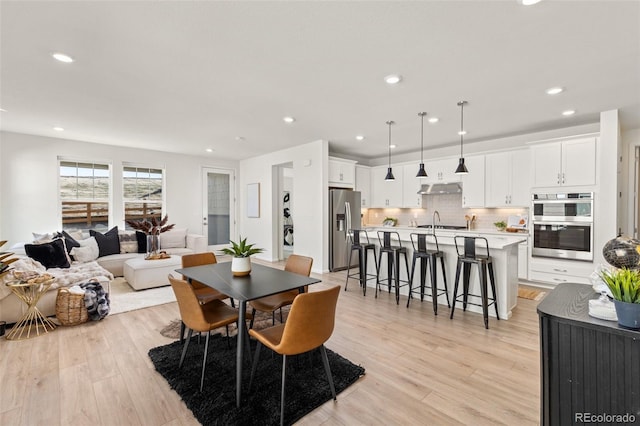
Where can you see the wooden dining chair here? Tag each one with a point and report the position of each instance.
(203, 292)
(309, 326)
(298, 265)
(200, 317)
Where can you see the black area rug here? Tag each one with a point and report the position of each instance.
(307, 386)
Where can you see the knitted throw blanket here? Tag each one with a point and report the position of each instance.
(96, 300)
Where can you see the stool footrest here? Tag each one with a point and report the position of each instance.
(490, 300)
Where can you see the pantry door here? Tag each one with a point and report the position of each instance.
(218, 216)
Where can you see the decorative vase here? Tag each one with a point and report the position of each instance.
(241, 266)
(153, 246)
(628, 314)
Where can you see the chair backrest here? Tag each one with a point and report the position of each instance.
(358, 236)
(299, 264)
(198, 259)
(190, 309)
(310, 322)
(385, 237)
(419, 241)
(466, 246)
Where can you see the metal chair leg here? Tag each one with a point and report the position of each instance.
(204, 361)
(256, 357)
(493, 289)
(327, 369)
(186, 345)
(282, 392)
(444, 277)
(253, 315)
(455, 289)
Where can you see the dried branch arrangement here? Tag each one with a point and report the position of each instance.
(152, 226)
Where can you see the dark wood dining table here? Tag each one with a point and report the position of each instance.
(263, 281)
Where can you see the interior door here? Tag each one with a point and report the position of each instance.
(218, 216)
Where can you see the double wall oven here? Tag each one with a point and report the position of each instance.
(563, 225)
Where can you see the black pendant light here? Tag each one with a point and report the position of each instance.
(421, 172)
(389, 175)
(462, 169)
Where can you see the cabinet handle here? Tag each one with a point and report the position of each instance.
(563, 178)
(558, 178)
(560, 280)
(559, 270)
(340, 177)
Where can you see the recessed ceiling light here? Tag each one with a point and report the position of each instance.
(58, 129)
(393, 79)
(433, 120)
(63, 58)
(289, 120)
(462, 132)
(554, 90)
(392, 146)
(529, 2)
(239, 138)
(568, 112)
(360, 137)
(209, 150)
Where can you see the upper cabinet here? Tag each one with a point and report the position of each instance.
(363, 184)
(441, 171)
(386, 193)
(566, 163)
(342, 173)
(473, 183)
(411, 185)
(507, 175)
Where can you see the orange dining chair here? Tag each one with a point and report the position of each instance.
(309, 326)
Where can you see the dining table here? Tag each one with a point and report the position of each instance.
(261, 282)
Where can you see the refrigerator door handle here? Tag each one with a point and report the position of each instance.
(347, 209)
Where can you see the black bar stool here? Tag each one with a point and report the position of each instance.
(360, 242)
(393, 261)
(467, 258)
(427, 257)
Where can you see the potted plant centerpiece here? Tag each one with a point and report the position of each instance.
(625, 288)
(241, 252)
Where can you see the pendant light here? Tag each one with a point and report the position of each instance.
(462, 169)
(421, 172)
(389, 175)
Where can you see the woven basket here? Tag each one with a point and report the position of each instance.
(70, 309)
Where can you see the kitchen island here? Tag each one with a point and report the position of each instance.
(503, 247)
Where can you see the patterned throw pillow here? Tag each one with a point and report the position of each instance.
(128, 242)
(87, 251)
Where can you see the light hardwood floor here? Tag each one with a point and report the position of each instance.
(421, 369)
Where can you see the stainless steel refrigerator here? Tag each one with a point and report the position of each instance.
(344, 214)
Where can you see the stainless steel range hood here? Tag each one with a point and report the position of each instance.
(441, 188)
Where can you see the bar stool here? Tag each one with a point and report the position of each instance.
(467, 258)
(393, 261)
(360, 242)
(427, 257)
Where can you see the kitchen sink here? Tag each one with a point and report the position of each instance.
(444, 226)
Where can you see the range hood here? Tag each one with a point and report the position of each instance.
(441, 188)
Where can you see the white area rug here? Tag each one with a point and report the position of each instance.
(124, 299)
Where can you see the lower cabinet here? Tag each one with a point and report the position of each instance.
(558, 271)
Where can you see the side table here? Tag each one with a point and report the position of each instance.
(33, 323)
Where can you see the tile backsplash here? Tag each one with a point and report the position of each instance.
(449, 206)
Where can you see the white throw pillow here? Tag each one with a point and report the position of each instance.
(87, 251)
(176, 238)
(41, 238)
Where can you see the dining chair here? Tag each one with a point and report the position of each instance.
(200, 317)
(203, 292)
(298, 265)
(309, 326)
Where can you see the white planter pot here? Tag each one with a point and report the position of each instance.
(241, 266)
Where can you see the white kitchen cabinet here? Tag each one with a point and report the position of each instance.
(386, 193)
(507, 175)
(552, 271)
(565, 163)
(410, 187)
(441, 171)
(523, 261)
(342, 173)
(363, 184)
(473, 183)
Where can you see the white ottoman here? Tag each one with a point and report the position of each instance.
(141, 273)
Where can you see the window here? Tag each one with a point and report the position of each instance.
(84, 194)
(142, 193)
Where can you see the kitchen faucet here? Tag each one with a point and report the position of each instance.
(433, 220)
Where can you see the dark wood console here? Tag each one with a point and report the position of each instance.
(588, 365)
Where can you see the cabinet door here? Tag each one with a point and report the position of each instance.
(363, 184)
(547, 164)
(386, 193)
(579, 162)
(448, 168)
(341, 173)
(410, 186)
(498, 173)
(473, 184)
(520, 194)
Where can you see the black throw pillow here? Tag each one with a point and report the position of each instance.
(142, 241)
(69, 241)
(50, 255)
(108, 243)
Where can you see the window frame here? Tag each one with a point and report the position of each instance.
(125, 200)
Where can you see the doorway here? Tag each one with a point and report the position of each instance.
(285, 211)
(218, 216)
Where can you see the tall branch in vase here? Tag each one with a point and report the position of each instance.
(152, 227)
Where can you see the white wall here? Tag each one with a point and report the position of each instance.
(630, 140)
(29, 191)
(310, 171)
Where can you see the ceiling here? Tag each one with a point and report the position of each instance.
(183, 76)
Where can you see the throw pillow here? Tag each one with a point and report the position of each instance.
(69, 241)
(41, 238)
(50, 255)
(142, 241)
(87, 252)
(128, 242)
(176, 238)
(108, 243)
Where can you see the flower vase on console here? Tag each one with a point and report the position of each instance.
(152, 228)
(153, 246)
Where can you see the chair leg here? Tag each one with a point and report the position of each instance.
(233, 304)
(184, 349)
(378, 264)
(226, 327)
(255, 363)
(327, 369)
(493, 289)
(397, 272)
(273, 317)
(346, 282)
(253, 315)
(483, 293)
(282, 392)
(455, 290)
(181, 332)
(434, 284)
(413, 270)
(424, 262)
(444, 277)
(204, 361)
(466, 277)
(389, 271)
(247, 342)
(363, 270)
(281, 321)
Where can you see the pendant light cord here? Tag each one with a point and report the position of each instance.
(461, 125)
(389, 144)
(422, 138)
